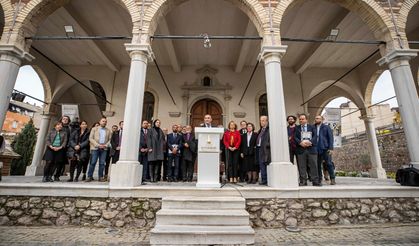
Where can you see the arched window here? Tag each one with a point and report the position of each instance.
(263, 105)
(206, 81)
(148, 106)
(98, 89)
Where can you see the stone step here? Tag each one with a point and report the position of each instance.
(187, 234)
(191, 202)
(202, 217)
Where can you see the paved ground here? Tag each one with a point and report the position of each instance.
(389, 234)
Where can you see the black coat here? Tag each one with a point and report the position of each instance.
(265, 146)
(189, 153)
(155, 141)
(83, 141)
(248, 150)
(115, 142)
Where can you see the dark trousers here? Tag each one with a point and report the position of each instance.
(293, 154)
(115, 157)
(153, 170)
(58, 168)
(143, 159)
(187, 167)
(232, 163)
(107, 161)
(84, 164)
(262, 167)
(79, 165)
(307, 160)
(165, 167)
(173, 166)
(328, 162)
(50, 168)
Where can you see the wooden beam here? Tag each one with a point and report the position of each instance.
(170, 48)
(82, 29)
(314, 49)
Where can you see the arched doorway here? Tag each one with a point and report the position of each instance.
(203, 107)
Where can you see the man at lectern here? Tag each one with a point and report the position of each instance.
(207, 122)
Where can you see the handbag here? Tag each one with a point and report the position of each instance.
(408, 176)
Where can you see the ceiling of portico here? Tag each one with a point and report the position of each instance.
(313, 19)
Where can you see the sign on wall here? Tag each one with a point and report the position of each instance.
(333, 119)
(71, 110)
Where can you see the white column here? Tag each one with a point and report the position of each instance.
(407, 97)
(127, 171)
(34, 168)
(10, 59)
(377, 170)
(281, 172)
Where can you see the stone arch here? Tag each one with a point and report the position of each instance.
(341, 90)
(45, 83)
(2, 20)
(159, 8)
(257, 99)
(370, 86)
(404, 12)
(156, 99)
(36, 11)
(369, 11)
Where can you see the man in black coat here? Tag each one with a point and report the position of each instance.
(116, 142)
(263, 149)
(174, 145)
(306, 138)
(143, 151)
(324, 148)
(189, 154)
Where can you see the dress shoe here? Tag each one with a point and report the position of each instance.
(317, 184)
(83, 178)
(102, 179)
(263, 183)
(332, 182)
(76, 180)
(89, 179)
(45, 179)
(56, 179)
(302, 184)
(70, 180)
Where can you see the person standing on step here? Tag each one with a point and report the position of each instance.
(232, 140)
(324, 148)
(100, 141)
(188, 154)
(55, 153)
(155, 144)
(143, 153)
(79, 149)
(247, 154)
(306, 139)
(174, 146)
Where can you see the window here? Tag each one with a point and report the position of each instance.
(263, 105)
(148, 106)
(14, 124)
(206, 81)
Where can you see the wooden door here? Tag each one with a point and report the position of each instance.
(203, 107)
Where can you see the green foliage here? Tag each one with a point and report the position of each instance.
(340, 173)
(391, 175)
(23, 144)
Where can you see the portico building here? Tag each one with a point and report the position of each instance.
(180, 80)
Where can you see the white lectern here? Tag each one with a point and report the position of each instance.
(208, 156)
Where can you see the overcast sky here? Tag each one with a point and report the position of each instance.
(29, 83)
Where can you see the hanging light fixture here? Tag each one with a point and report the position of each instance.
(207, 41)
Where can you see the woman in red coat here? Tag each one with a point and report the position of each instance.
(232, 140)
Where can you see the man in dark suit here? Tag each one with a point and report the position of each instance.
(189, 154)
(174, 145)
(306, 139)
(143, 151)
(242, 171)
(263, 149)
(291, 119)
(324, 148)
(116, 141)
(207, 121)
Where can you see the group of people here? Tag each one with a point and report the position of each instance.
(245, 153)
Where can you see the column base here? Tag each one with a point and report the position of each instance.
(125, 174)
(378, 173)
(282, 175)
(33, 170)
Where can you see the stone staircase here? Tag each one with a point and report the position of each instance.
(202, 220)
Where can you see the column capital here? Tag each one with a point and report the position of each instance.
(397, 56)
(15, 52)
(136, 51)
(277, 51)
(367, 118)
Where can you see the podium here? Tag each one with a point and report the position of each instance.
(208, 156)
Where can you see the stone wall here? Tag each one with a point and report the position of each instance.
(276, 213)
(98, 212)
(354, 155)
(265, 213)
